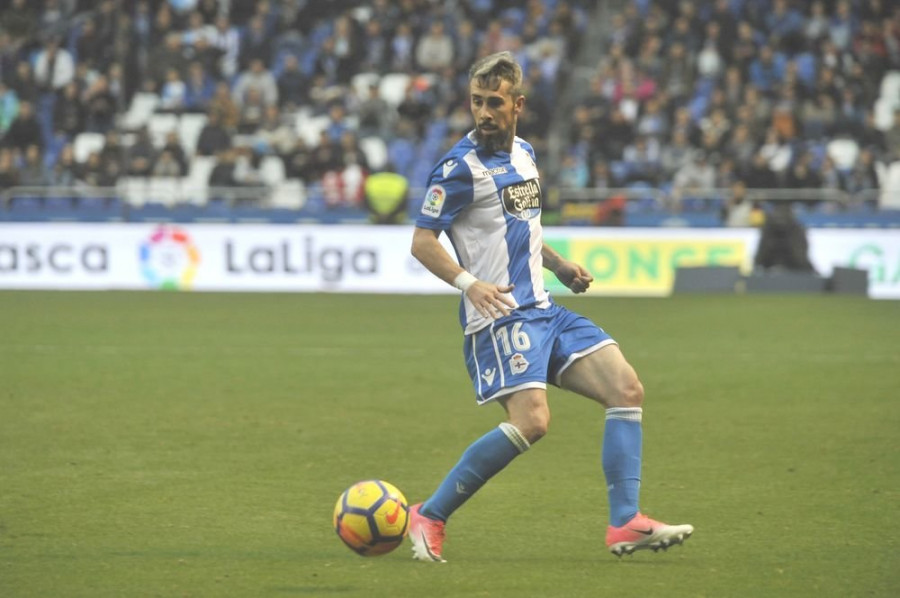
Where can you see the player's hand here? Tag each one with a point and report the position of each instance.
(574, 276)
(491, 301)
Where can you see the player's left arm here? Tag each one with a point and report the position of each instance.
(573, 275)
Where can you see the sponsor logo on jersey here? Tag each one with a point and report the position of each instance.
(449, 165)
(493, 171)
(518, 364)
(434, 201)
(523, 200)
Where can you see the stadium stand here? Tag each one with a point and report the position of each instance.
(647, 121)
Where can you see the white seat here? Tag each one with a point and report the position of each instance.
(290, 194)
(195, 186)
(361, 82)
(392, 87)
(884, 114)
(133, 190)
(843, 153)
(890, 87)
(143, 104)
(375, 150)
(161, 125)
(189, 128)
(271, 170)
(164, 190)
(87, 143)
(311, 128)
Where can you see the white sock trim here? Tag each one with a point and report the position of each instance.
(515, 436)
(631, 414)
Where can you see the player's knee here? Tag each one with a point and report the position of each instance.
(535, 426)
(631, 393)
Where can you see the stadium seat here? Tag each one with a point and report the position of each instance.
(310, 127)
(159, 126)
(132, 190)
(290, 193)
(362, 81)
(375, 150)
(195, 186)
(164, 190)
(271, 170)
(843, 153)
(189, 128)
(884, 113)
(87, 143)
(890, 87)
(392, 87)
(143, 104)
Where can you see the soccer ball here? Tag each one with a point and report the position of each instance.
(371, 517)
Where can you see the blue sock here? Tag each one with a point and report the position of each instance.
(484, 457)
(622, 462)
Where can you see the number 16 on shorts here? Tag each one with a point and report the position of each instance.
(500, 359)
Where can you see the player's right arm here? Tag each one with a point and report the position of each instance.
(488, 298)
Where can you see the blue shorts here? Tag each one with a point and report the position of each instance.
(527, 349)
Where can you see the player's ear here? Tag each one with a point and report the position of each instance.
(519, 104)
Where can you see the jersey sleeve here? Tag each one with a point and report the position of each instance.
(449, 191)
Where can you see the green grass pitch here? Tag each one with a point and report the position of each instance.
(165, 444)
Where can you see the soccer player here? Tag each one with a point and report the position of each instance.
(485, 194)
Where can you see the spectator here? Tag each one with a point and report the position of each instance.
(22, 81)
(63, 173)
(256, 44)
(783, 244)
(173, 94)
(213, 137)
(224, 106)
(697, 175)
(100, 106)
(9, 107)
(141, 155)
(434, 50)
(258, 78)
(292, 84)
(275, 135)
(172, 145)
(53, 66)
(24, 130)
(252, 111)
(223, 173)
(166, 165)
(739, 210)
(166, 57)
(31, 173)
(9, 174)
(198, 88)
(375, 115)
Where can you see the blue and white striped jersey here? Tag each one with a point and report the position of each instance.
(489, 205)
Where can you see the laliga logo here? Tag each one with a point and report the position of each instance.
(169, 259)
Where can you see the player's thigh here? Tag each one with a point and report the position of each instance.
(605, 376)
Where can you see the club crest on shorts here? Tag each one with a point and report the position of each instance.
(523, 200)
(434, 201)
(518, 364)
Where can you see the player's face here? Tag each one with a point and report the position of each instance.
(495, 112)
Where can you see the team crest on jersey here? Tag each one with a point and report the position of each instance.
(434, 201)
(518, 364)
(523, 200)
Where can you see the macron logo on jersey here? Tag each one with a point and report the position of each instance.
(449, 165)
(434, 201)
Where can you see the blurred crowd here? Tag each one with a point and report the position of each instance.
(686, 95)
(733, 94)
(259, 71)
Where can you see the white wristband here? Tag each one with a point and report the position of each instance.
(463, 281)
